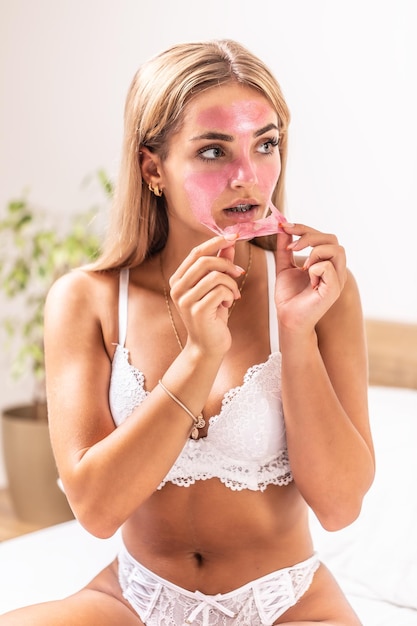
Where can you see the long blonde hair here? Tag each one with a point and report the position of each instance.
(155, 103)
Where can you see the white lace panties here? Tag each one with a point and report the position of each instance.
(258, 603)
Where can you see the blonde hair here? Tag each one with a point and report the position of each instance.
(155, 103)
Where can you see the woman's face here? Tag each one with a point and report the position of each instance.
(223, 165)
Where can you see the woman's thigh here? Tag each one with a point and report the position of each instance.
(323, 603)
(100, 602)
(82, 609)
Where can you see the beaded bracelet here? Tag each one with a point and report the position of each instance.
(198, 422)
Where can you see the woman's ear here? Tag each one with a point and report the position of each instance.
(150, 167)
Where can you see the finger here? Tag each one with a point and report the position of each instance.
(227, 253)
(324, 278)
(335, 254)
(312, 238)
(211, 247)
(213, 267)
(297, 229)
(284, 256)
(209, 283)
(219, 296)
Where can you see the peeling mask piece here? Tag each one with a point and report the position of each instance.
(248, 230)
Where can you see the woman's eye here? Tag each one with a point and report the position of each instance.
(211, 153)
(267, 147)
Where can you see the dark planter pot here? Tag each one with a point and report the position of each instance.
(30, 468)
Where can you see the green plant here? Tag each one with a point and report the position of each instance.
(35, 250)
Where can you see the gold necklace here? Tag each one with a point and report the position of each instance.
(171, 317)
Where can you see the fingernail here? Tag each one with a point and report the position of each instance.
(230, 236)
(286, 225)
(240, 269)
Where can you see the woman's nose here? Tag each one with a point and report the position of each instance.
(243, 174)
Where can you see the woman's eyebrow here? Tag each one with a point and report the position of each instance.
(265, 129)
(213, 135)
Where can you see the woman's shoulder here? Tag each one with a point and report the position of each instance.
(82, 305)
(83, 295)
(83, 284)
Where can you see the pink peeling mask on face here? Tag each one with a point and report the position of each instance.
(245, 167)
(202, 191)
(248, 230)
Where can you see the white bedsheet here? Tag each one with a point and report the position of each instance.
(374, 560)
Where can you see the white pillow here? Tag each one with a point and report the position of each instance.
(376, 557)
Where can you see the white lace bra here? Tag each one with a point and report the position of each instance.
(245, 447)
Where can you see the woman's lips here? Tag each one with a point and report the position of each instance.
(241, 212)
(245, 227)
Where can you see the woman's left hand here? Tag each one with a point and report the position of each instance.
(303, 295)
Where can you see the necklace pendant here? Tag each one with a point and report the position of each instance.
(194, 432)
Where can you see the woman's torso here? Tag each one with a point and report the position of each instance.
(215, 527)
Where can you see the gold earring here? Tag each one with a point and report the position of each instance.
(155, 190)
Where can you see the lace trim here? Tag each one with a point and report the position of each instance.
(203, 463)
(230, 395)
(258, 603)
(263, 449)
(127, 386)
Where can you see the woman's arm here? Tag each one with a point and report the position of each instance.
(324, 378)
(108, 472)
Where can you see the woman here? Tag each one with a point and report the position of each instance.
(202, 390)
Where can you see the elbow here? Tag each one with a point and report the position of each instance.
(343, 507)
(339, 511)
(338, 518)
(101, 532)
(97, 522)
(94, 515)
(93, 506)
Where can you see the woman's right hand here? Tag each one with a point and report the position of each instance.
(203, 288)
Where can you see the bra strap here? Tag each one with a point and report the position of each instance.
(123, 292)
(273, 322)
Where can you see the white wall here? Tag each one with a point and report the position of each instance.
(347, 68)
